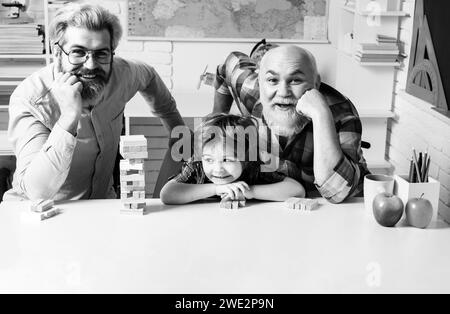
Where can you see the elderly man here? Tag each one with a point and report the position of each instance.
(66, 119)
(319, 129)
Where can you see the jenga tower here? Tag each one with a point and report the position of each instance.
(132, 173)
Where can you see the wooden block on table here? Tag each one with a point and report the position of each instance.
(36, 216)
(132, 183)
(132, 178)
(126, 195)
(136, 155)
(131, 172)
(128, 188)
(138, 195)
(304, 204)
(133, 207)
(133, 140)
(128, 165)
(229, 204)
(41, 206)
(133, 149)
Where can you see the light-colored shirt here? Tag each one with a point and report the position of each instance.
(51, 162)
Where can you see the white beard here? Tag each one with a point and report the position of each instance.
(284, 122)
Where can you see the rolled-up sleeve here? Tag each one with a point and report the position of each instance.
(43, 155)
(147, 81)
(348, 175)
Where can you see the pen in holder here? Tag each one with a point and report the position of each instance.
(206, 78)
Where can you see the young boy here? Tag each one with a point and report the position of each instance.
(222, 171)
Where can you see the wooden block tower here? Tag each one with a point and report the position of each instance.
(132, 173)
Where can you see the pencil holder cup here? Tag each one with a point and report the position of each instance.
(406, 190)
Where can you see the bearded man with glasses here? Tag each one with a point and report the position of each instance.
(66, 119)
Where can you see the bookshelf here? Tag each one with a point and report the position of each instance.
(22, 52)
(370, 85)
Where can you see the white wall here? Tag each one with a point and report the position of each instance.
(181, 63)
(417, 125)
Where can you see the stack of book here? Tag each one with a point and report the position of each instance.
(17, 71)
(4, 117)
(385, 50)
(25, 39)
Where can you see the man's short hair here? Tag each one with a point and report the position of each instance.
(91, 17)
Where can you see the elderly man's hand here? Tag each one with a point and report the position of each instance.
(312, 104)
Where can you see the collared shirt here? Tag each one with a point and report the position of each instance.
(52, 163)
(238, 77)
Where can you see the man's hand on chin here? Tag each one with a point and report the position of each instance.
(313, 105)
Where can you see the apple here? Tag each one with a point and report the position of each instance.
(387, 209)
(419, 212)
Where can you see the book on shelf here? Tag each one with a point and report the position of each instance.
(10, 71)
(4, 118)
(376, 56)
(374, 60)
(22, 39)
(4, 99)
(375, 46)
(386, 39)
(378, 52)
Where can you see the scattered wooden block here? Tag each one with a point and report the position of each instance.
(133, 207)
(304, 204)
(41, 206)
(229, 203)
(41, 216)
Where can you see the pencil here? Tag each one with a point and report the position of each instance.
(416, 165)
(424, 165)
(411, 171)
(419, 164)
(427, 169)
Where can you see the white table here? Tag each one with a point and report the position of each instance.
(200, 248)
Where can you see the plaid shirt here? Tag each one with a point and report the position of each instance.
(238, 77)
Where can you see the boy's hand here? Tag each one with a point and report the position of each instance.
(249, 194)
(232, 190)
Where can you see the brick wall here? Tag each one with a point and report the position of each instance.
(416, 125)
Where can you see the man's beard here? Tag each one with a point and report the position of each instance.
(92, 88)
(284, 121)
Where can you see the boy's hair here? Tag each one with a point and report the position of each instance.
(91, 17)
(243, 131)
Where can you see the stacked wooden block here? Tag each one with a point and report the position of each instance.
(43, 209)
(133, 149)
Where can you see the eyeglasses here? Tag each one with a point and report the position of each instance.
(79, 56)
